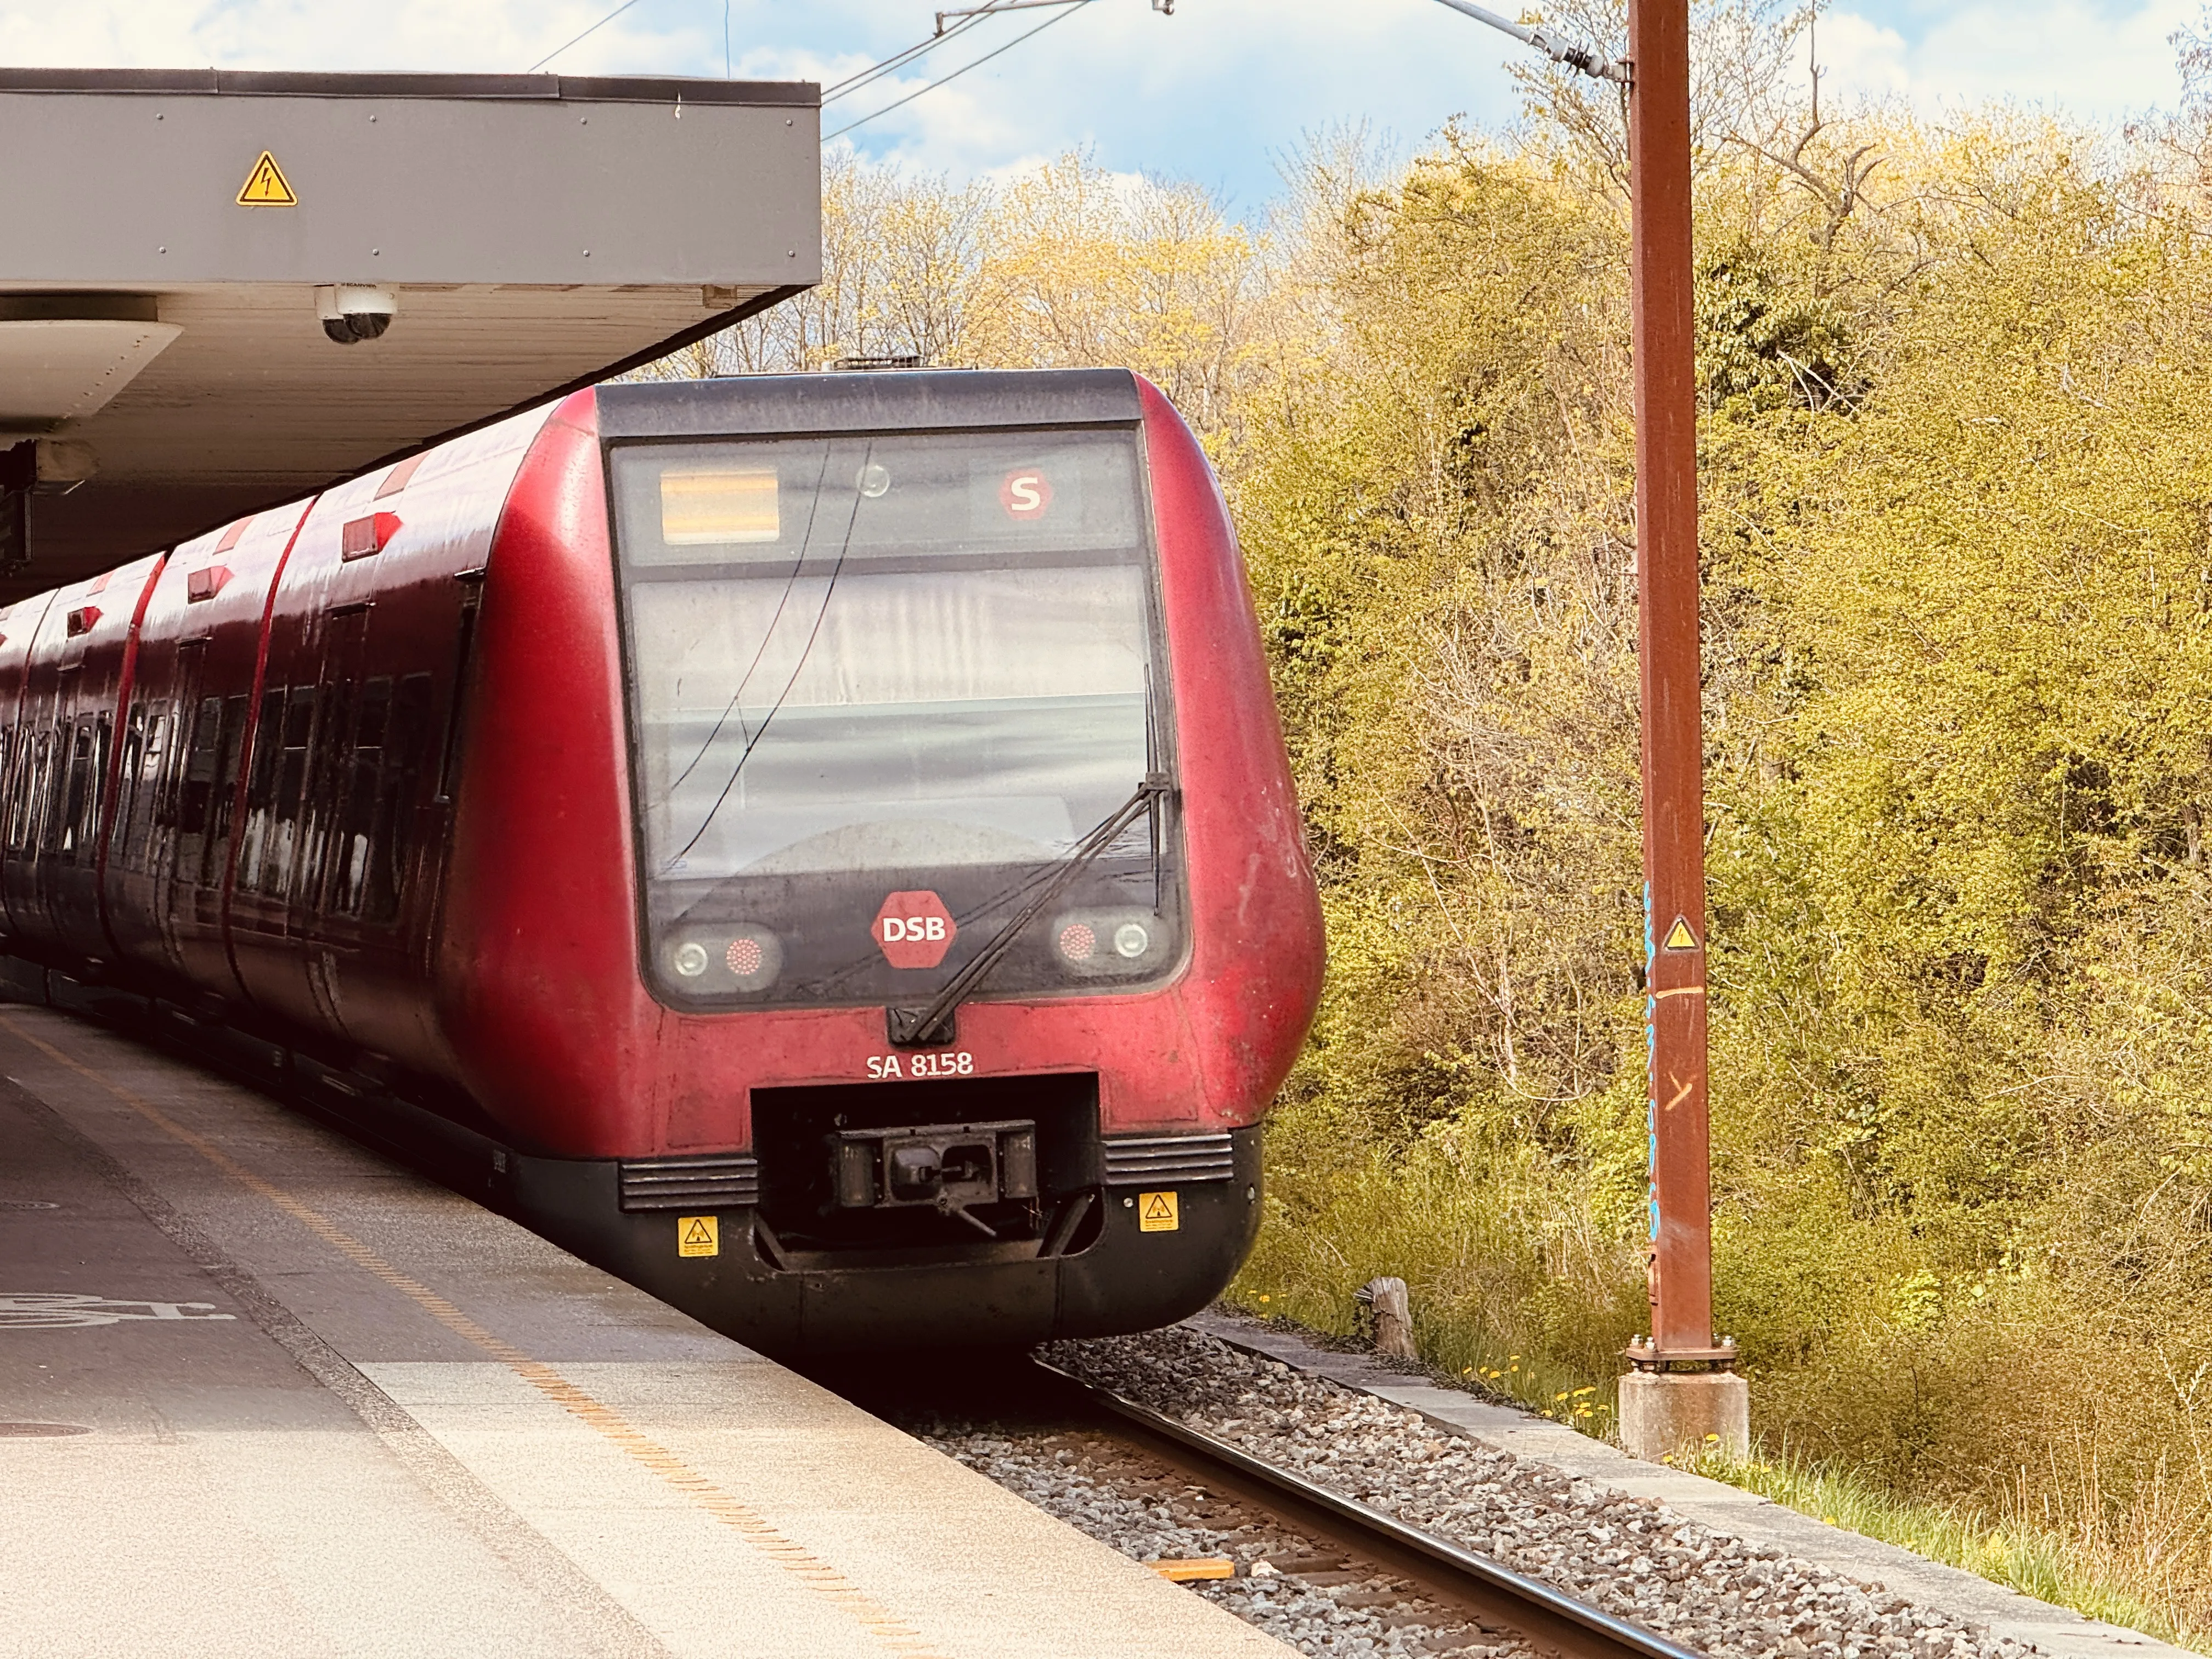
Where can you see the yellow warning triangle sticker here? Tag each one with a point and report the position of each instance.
(266, 186)
(696, 1233)
(1157, 1207)
(1679, 936)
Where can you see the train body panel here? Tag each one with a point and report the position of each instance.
(344, 815)
(578, 783)
(78, 673)
(556, 1035)
(185, 731)
(19, 628)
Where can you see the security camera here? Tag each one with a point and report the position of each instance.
(355, 313)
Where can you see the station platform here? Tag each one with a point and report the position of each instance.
(262, 1393)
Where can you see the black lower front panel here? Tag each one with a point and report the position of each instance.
(1138, 1257)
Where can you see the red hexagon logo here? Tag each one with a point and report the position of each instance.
(914, 930)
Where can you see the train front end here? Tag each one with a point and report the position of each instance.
(900, 932)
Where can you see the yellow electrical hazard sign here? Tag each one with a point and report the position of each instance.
(1158, 1212)
(698, 1235)
(266, 186)
(1679, 936)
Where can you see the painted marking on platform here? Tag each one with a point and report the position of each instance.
(889, 1633)
(1679, 936)
(699, 1235)
(266, 186)
(1159, 1213)
(52, 1311)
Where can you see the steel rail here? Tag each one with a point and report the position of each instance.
(1541, 1612)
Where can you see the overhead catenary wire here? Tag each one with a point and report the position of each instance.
(898, 60)
(587, 35)
(1073, 6)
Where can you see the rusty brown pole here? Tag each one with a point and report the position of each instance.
(1681, 1255)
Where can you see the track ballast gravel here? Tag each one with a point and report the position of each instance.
(1307, 1595)
(1630, 1556)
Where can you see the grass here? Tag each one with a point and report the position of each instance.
(2030, 1559)
(2098, 1578)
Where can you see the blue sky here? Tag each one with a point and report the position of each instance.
(1219, 92)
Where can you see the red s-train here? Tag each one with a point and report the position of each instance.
(819, 847)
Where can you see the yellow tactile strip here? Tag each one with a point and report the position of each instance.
(818, 1575)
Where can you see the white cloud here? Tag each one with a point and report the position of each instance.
(478, 36)
(2098, 61)
(1215, 92)
(1219, 91)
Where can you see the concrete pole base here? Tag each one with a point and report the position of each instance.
(1679, 1414)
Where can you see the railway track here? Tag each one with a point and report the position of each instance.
(1319, 1571)
(1491, 1596)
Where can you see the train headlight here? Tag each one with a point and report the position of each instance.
(1115, 944)
(717, 959)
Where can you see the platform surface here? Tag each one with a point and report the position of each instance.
(325, 1408)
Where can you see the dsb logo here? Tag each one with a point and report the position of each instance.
(914, 930)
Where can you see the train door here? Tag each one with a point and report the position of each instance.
(169, 739)
(68, 871)
(326, 855)
(169, 848)
(18, 627)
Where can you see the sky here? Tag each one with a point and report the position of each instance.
(1221, 91)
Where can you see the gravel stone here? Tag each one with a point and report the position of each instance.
(1632, 1556)
(1308, 1596)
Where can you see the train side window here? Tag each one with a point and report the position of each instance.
(31, 795)
(282, 855)
(354, 818)
(31, 780)
(406, 737)
(328, 771)
(103, 754)
(54, 788)
(127, 784)
(261, 789)
(66, 827)
(12, 781)
(231, 756)
(449, 752)
(22, 783)
(196, 796)
(145, 787)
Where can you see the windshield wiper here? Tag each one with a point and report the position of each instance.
(931, 1023)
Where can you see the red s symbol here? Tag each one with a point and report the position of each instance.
(1025, 494)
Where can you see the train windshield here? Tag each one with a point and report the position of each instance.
(887, 685)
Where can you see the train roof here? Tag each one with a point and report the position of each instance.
(162, 319)
(920, 399)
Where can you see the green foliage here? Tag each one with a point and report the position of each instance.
(1957, 478)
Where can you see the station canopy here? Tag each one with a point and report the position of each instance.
(220, 291)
